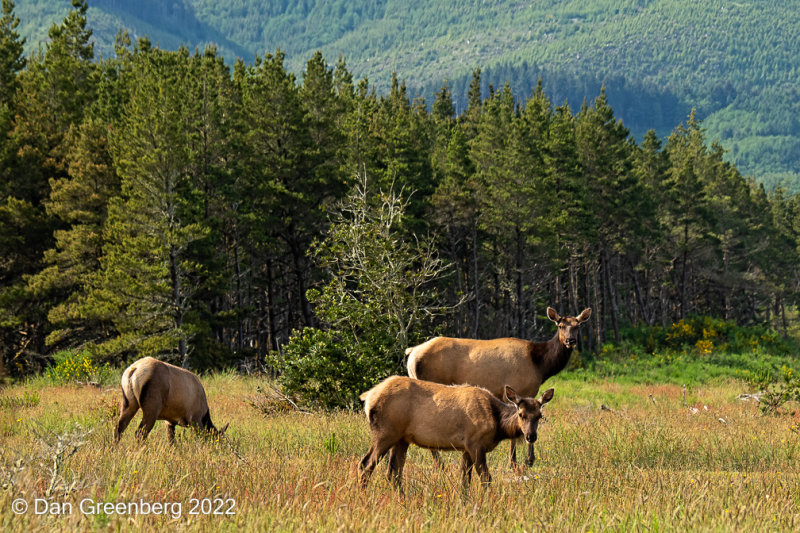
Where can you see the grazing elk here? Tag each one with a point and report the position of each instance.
(492, 364)
(403, 411)
(163, 392)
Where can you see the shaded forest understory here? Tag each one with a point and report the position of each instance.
(164, 202)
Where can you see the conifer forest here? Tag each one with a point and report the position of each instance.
(170, 203)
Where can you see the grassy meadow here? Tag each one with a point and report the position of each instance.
(654, 458)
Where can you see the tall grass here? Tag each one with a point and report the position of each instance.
(647, 461)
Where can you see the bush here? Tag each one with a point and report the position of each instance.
(376, 297)
(704, 335)
(777, 391)
(327, 369)
(74, 366)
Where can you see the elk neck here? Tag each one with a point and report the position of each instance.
(505, 415)
(553, 356)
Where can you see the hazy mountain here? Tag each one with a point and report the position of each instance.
(737, 63)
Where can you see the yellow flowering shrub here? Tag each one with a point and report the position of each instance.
(704, 346)
(72, 366)
(680, 331)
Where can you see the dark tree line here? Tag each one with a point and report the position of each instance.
(162, 202)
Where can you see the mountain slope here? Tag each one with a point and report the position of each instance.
(735, 62)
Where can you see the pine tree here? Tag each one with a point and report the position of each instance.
(454, 216)
(605, 152)
(508, 160)
(149, 280)
(284, 198)
(11, 63)
(688, 215)
(212, 120)
(646, 256)
(568, 212)
(403, 130)
(80, 203)
(51, 96)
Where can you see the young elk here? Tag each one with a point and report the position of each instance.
(163, 392)
(403, 411)
(492, 364)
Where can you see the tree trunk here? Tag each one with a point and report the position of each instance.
(609, 286)
(237, 265)
(573, 282)
(269, 293)
(476, 279)
(520, 296)
(599, 331)
(639, 293)
(300, 278)
(783, 318)
(683, 269)
(175, 280)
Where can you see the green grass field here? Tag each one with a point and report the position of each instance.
(651, 462)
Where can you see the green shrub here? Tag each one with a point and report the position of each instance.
(377, 294)
(75, 366)
(703, 336)
(324, 368)
(776, 391)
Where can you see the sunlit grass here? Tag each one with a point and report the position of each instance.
(647, 461)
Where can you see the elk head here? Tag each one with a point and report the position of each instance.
(568, 325)
(529, 411)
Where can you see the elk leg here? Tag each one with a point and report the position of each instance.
(437, 459)
(171, 432)
(151, 407)
(512, 455)
(370, 461)
(145, 426)
(531, 455)
(151, 401)
(466, 468)
(125, 416)
(397, 460)
(480, 466)
(364, 466)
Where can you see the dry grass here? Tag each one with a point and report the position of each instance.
(648, 463)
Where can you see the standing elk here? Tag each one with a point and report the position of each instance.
(492, 364)
(163, 392)
(403, 411)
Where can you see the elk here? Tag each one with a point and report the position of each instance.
(492, 364)
(403, 411)
(163, 392)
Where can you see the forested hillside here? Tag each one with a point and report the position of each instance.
(167, 202)
(735, 62)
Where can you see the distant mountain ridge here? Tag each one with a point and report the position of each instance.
(736, 63)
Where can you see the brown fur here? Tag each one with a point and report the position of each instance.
(403, 411)
(493, 364)
(163, 392)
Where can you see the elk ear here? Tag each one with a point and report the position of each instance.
(511, 396)
(547, 396)
(552, 314)
(223, 430)
(585, 314)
